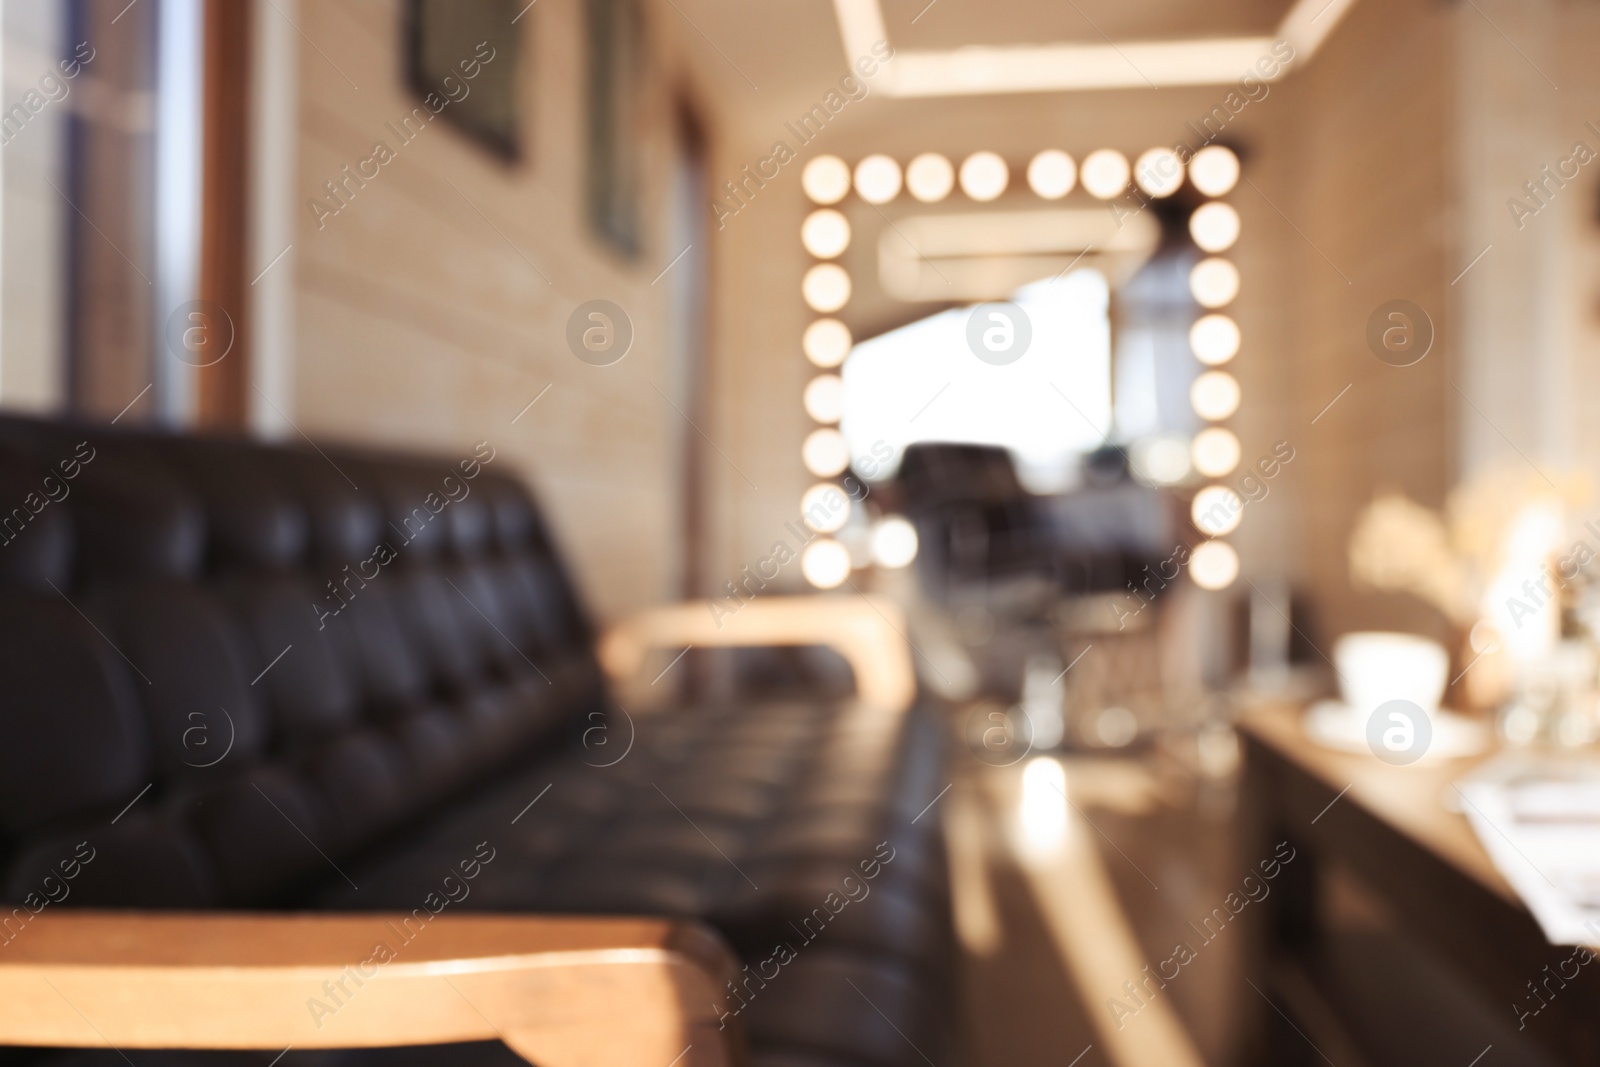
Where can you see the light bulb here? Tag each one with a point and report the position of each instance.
(1214, 226)
(930, 177)
(1213, 565)
(824, 398)
(826, 342)
(1158, 172)
(1215, 452)
(825, 563)
(1214, 170)
(825, 507)
(1216, 510)
(1214, 282)
(1214, 339)
(1214, 395)
(1052, 174)
(984, 176)
(825, 453)
(1105, 173)
(826, 287)
(826, 179)
(878, 179)
(825, 233)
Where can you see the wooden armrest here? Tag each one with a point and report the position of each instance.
(561, 992)
(868, 631)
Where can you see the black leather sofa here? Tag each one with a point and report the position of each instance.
(249, 677)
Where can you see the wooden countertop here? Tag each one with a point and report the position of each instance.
(1409, 799)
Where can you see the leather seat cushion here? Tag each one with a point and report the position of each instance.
(839, 1004)
(74, 739)
(144, 860)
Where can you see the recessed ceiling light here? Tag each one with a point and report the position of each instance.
(878, 179)
(1104, 173)
(826, 287)
(826, 179)
(1214, 282)
(984, 176)
(825, 233)
(930, 177)
(826, 342)
(1052, 174)
(1214, 170)
(1159, 172)
(1213, 565)
(1045, 66)
(824, 398)
(1214, 395)
(1214, 339)
(1214, 226)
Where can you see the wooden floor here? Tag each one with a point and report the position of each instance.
(1080, 889)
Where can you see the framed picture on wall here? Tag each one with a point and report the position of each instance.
(463, 59)
(616, 75)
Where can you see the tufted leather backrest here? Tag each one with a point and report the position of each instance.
(227, 665)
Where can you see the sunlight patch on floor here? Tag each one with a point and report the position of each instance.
(1059, 852)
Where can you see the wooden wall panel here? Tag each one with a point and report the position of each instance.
(433, 306)
(1359, 164)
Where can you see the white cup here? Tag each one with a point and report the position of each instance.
(1376, 667)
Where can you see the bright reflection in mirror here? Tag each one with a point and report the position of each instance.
(1161, 460)
(926, 382)
(894, 542)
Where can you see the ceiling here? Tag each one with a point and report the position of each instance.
(760, 62)
(756, 60)
(950, 24)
